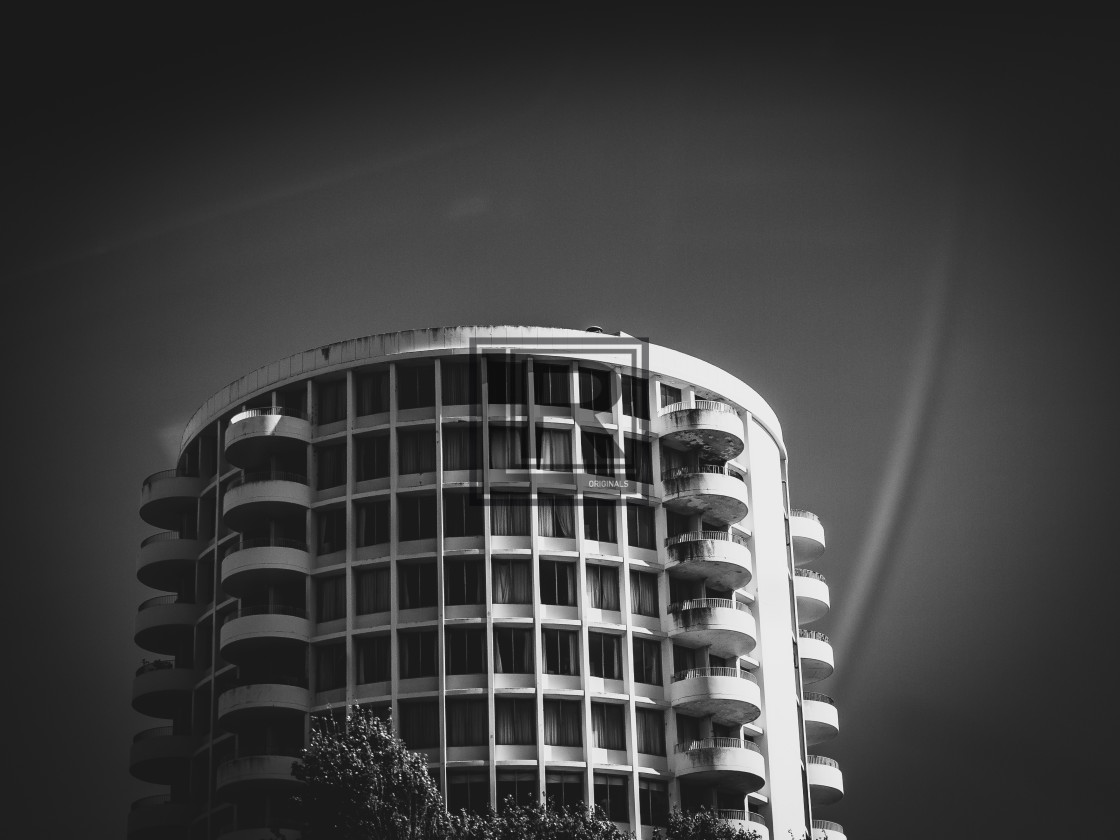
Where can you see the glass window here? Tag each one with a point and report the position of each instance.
(640, 527)
(651, 731)
(515, 721)
(417, 652)
(509, 448)
(331, 402)
(462, 448)
(462, 514)
(373, 522)
(635, 396)
(598, 453)
(552, 384)
(643, 593)
(605, 655)
(513, 651)
(647, 661)
(330, 667)
(512, 581)
(518, 785)
(463, 582)
(639, 460)
(416, 585)
(509, 514)
(419, 723)
(669, 395)
(467, 724)
(332, 530)
(417, 514)
(561, 651)
(607, 726)
(416, 386)
(416, 451)
(330, 598)
(595, 389)
(468, 790)
(554, 449)
(610, 795)
(505, 380)
(372, 453)
(564, 790)
(458, 381)
(556, 515)
(465, 651)
(373, 657)
(653, 800)
(598, 519)
(602, 587)
(373, 391)
(558, 583)
(330, 466)
(563, 723)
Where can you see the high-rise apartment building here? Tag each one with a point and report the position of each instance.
(563, 560)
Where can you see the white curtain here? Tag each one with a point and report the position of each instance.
(554, 449)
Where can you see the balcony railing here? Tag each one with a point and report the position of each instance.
(820, 698)
(262, 542)
(702, 405)
(270, 475)
(154, 732)
(707, 604)
(155, 665)
(824, 760)
(162, 536)
(176, 473)
(278, 410)
(694, 536)
(813, 634)
(717, 743)
(151, 802)
(691, 673)
(804, 514)
(809, 573)
(160, 601)
(264, 609)
(828, 825)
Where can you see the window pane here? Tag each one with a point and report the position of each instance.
(551, 383)
(643, 593)
(595, 389)
(512, 581)
(610, 795)
(640, 528)
(416, 386)
(373, 659)
(635, 396)
(554, 449)
(373, 523)
(373, 392)
(515, 721)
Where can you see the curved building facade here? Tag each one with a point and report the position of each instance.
(564, 561)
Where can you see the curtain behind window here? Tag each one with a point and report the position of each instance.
(373, 392)
(417, 452)
(640, 529)
(639, 460)
(651, 731)
(512, 584)
(513, 651)
(508, 447)
(602, 587)
(607, 726)
(563, 723)
(556, 515)
(509, 514)
(458, 382)
(460, 448)
(643, 593)
(331, 600)
(419, 725)
(515, 721)
(466, 723)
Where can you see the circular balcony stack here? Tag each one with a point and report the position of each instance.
(826, 782)
(257, 774)
(252, 630)
(732, 697)
(807, 535)
(724, 625)
(160, 756)
(250, 565)
(828, 830)
(163, 623)
(164, 560)
(255, 435)
(728, 762)
(263, 495)
(712, 427)
(720, 559)
(166, 495)
(716, 492)
(161, 690)
(158, 818)
(264, 700)
(822, 722)
(817, 661)
(811, 590)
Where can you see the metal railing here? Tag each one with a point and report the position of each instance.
(176, 473)
(696, 536)
(823, 760)
(154, 732)
(262, 542)
(717, 743)
(707, 604)
(804, 514)
(828, 825)
(813, 634)
(702, 405)
(674, 473)
(160, 601)
(820, 698)
(271, 475)
(155, 665)
(809, 573)
(277, 410)
(162, 536)
(697, 673)
(756, 818)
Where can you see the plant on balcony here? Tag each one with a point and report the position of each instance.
(702, 825)
(537, 822)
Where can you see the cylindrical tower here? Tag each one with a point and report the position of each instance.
(563, 561)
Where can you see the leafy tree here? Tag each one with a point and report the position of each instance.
(702, 825)
(537, 822)
(362, 782)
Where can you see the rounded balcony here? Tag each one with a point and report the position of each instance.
(267, 494)
(158, 818)
(807, 535)
(160, 689)
(263, 699)
(165, 559)
(163, 622)
(815, 650)
(730, 696)
(253, 629)
(251, 564)
(159, 755)
(826, 782)
(745, 820)
(712, 427)
(257, 773)
(255, 435)
(729, 762)
(720, 559)
(828, 830)
(822, 722)
(727, 626)
(811, 590)
(165, 495)
(719, 493)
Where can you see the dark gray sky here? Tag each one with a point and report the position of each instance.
(899, 231)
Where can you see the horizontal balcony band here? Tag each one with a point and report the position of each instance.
(258, 496)
(729, 762)
(159, 755)
(806, 535)
(811, 591)
(815, 651)
(716, 492)
(261, 701)
(257, 773)
(251, 564)
(822, 720)
(165, 559)
(730, 697)
(721, 559)
(165, 495)
(712, 427)
(255, 435)
(726, 626)
(826, 782)
(247, 632)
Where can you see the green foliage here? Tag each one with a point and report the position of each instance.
(537, 822)
(363, 783)
(702, 825)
